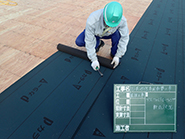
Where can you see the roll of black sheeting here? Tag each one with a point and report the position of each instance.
(81, 54)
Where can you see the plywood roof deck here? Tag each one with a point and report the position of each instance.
(31, 30)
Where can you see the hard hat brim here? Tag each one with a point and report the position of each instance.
(112, 24)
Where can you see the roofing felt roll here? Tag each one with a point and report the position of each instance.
(81, 54)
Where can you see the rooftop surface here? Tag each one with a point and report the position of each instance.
(30, 30)
(63, 97)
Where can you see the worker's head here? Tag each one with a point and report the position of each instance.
(112, 14)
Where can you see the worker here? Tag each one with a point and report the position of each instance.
(107, 23)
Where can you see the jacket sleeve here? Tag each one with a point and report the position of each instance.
(90, 42)
(122, 45)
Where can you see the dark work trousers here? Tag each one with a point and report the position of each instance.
(115, 37)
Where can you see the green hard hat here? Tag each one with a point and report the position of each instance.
(112, 14)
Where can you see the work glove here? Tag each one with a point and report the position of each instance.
(95, 65)
(115, 61)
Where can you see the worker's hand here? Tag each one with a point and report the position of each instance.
(95, 65)
(115, 61)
